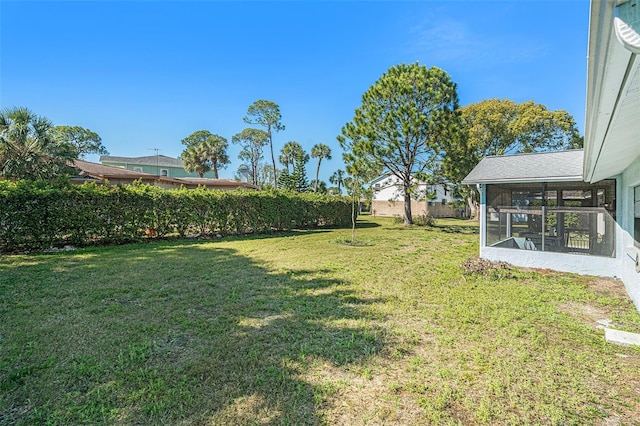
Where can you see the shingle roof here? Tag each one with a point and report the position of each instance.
(149, 160)
(102, 171)
(545, 166)
(222, 183)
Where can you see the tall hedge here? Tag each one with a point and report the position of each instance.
(37, 215)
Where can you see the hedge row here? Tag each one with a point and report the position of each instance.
(37, 215)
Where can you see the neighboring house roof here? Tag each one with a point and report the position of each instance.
(103, 171)
(380, 178)
(149, 160)
(384, 176)
(218, 183)
(546, 166)
(99, 172)
(612, 126)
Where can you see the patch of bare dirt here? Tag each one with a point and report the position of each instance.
(588, 314)
(608, 286)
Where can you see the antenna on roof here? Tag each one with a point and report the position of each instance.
(157, 160)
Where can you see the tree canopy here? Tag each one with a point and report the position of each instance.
(296, 180)
(337, 178)
(195, 160)
(252, 141)
(27, 148)
(501, 127)
(402, 120)
(82, 141)
(291, 152)
(207, 150)
(266, 114)
(319, 151)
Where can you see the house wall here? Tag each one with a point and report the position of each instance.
(396, 208)
(176, 172)
(626, 246)
(389, 201)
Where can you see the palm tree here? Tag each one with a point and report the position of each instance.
(215, 148)
(195, 160)
(284, 160)
(337, 178)
(267, 114)
(320, 151)
(291, 152)
(27, 148)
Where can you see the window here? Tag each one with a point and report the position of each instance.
(137, 169)
(164, 172)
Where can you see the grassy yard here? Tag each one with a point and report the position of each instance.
(300, 329)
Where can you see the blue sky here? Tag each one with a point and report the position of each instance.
(146, 74)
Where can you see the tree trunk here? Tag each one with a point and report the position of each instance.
(408, 219)
(215, 170)
(353, 220)
(315, 189)
(254, 173)
(473, 209)
(353, 210)
(273, 160)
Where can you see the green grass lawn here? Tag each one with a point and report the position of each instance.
(301, 329)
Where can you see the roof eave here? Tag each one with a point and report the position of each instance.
(608, 68)
(524, 180)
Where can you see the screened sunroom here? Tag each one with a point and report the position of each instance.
(564, 217)
(536, 210)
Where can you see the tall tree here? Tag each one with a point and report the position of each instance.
(401, 122)
(83, 141)
(195, 159)
(27, 148)
(212, 147)
(216, 150)
(320, 187)
(297, 179)
(286, 161)
(197, 138)
(360, 169)
(320, 151)
(267, 114)
(252, 141)
(501, 127)
(337, 178)
(291, 152)
(265, 175)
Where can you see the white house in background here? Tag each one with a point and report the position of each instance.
(578, 211)
(388, 198)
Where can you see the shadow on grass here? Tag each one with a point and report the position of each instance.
(458, 229)
(364, 223)
(171, 333)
